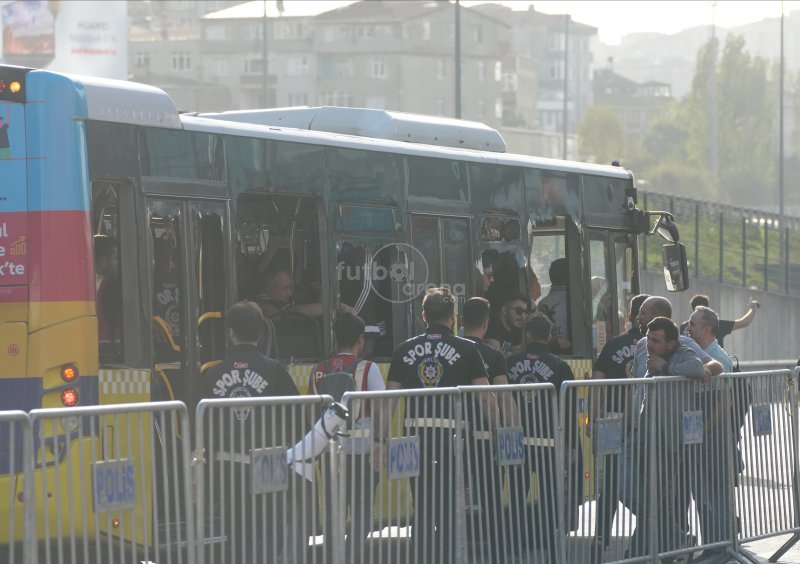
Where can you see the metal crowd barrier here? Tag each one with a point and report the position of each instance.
(16, 440)
(710, 466)
(767, 432)
(479, 464)
(117, 489)
(253, 505)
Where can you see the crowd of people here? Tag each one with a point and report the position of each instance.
(507, 339)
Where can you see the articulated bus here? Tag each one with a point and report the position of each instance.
(127, 228)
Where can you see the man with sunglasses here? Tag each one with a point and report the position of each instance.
(505, 329)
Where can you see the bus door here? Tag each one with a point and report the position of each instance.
(372, 274)
(188, 270)
(440, 256)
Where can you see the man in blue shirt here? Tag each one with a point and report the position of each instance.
(712, 490)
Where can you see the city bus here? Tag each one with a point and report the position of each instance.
(127, 228)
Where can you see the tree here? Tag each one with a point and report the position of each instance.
(602, 138)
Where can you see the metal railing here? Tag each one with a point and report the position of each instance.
(729, 244)
(602, 471)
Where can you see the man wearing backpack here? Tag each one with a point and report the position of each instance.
(346, 372)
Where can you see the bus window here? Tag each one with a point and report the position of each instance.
(442, 244)
(279, 266)
(210, 274)
(502, 264)
(108, 282)
(437, 178)
(624, 246)
(168, 328)
(602, 311)
(181, 154)
(364, 274)
(550, 268)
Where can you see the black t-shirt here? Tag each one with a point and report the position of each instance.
(506, 337)
(537, 365)
(246, 373)
(616, 358)
(616, 362)
(725, 328)
(493, 360)
(435, 359)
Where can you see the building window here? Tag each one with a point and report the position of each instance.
(253, 66)
(221, 68)
(365, 32)
(439, 69)
(215, 32)
(481, 108)
(498, 71)
(337, 98)
(498, 108)
(556, 69)
(376, 102)
(287, 30)
(439, 106)
(252, 31)
(481, 71)
(344, 68)
(426, 30)
(297, 99)
(181, 61)
(556, 42)
(509, 82)
(297, 66)
(141, 59)
(377, 68)
(477, 34)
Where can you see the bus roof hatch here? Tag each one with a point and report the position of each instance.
(379, 124)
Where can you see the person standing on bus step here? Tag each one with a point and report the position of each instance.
(108, 289)
(434, 359)
(246, 373)
(555, 305)
(726, 326)
(537, 365)
(505, 329)
(345, 371)
(711, 495)
(487, 483)
(614, 362)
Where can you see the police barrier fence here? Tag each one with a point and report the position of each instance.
(112, 486)
(709, 465)
(479, 464)
(255, 470)
(15, 457)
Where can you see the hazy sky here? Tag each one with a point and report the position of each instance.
(615, 19)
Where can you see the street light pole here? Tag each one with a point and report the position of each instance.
(457, 73)
(264, 69)
(566, 74)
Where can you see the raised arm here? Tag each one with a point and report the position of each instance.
(747, 318)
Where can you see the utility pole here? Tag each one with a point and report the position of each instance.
(457, 73)
(264, 69)
(713, 119)
(780, 141)
(565, 121)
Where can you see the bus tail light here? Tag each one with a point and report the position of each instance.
(69, 373)
(69, 397)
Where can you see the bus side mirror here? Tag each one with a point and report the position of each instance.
(676, 267)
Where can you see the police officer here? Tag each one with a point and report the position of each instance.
(614, 362)
(486, 478)
(537, 365)
(434, 359)
(246, 373)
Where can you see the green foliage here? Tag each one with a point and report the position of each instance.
(602, 138)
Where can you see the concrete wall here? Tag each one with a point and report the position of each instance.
(772, 335)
